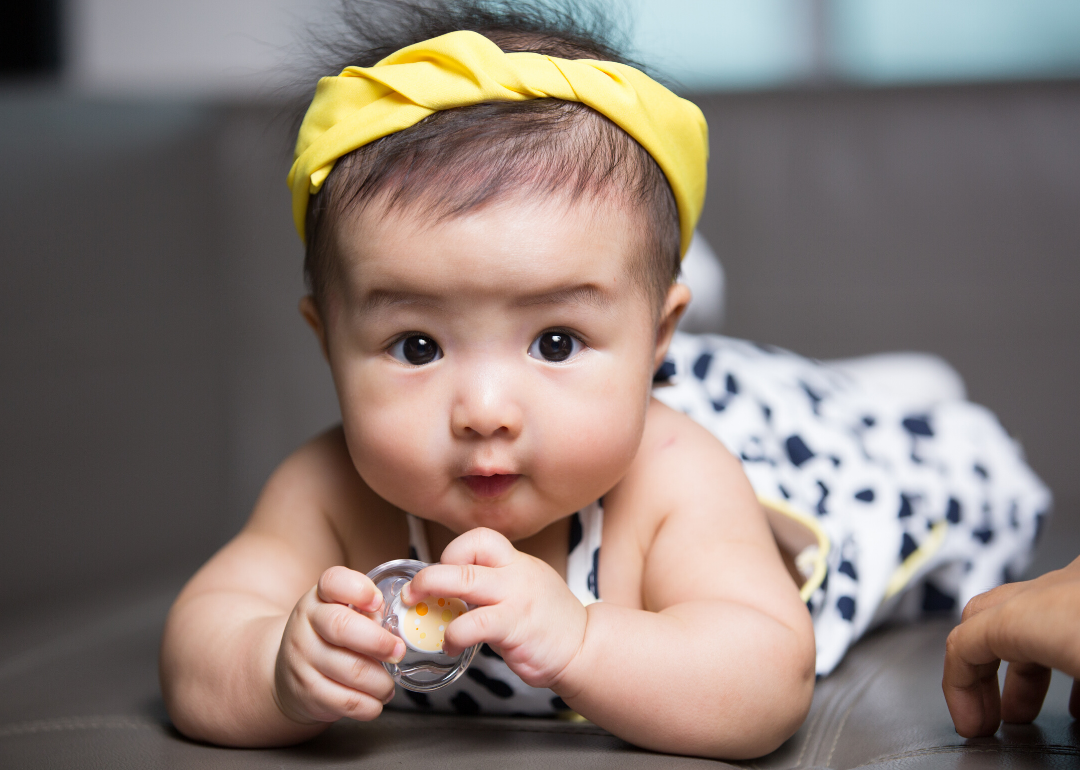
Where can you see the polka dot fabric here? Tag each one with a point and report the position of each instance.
(925, 503)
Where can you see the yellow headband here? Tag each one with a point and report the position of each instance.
(464, 68)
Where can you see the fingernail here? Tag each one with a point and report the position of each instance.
(389, 697)
(406, 594)
(399, 652)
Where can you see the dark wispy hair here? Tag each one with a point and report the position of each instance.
(457, 160)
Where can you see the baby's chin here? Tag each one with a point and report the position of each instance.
(517, 509)
(509, 521)
(513, 519)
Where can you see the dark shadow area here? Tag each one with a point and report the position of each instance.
(30, 40)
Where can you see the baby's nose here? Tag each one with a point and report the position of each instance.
(487, 405)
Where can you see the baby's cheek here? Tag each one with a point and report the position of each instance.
(596, 441)
(396, 458)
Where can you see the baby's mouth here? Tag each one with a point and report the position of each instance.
(491, 486)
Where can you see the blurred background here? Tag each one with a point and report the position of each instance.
(885, 175)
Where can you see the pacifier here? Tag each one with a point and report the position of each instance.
(425, 666)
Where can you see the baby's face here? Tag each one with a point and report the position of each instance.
(493, 369)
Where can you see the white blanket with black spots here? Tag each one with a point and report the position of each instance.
(925, 504)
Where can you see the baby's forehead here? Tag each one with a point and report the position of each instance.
(520, 244)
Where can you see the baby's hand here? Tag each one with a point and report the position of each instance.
(1035, 626)
(524, 609)
(328, 663)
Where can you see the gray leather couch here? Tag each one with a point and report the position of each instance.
(155, 369)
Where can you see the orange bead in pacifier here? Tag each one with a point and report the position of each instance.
(423, 627)
(425, 666)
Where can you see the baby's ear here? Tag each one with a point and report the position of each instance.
(678, 297)
(310, 311)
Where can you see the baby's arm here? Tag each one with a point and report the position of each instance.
(712, 651)
(261, 648)
(1035, 625)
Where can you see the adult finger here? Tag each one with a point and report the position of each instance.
(1041, 626)
(1025, 689)
(342, 627)
(468, 582)
(971, 689)
(481, 546)
(992, 598)
(342, 585)
(1008, 591)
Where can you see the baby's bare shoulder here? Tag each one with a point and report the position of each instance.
(316, 493)
(318, 475)
(678, 457)
(315, 512)
(685, 493)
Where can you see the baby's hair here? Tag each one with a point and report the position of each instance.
(458, 160)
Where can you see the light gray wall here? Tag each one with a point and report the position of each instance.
(943, 220)
(156, 366)
(245, 47)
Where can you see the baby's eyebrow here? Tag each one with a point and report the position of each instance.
(585, 294)
(377, 299)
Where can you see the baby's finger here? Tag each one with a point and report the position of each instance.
(468, 582)
(483, 624)
(342, 585)
(1024, 692)
(342, 627)
(356, 672)
(330, 700)
(482, 546)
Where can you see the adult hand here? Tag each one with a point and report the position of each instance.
(1035, 626)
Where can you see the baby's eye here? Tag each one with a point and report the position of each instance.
(555, 346)
(416, 349)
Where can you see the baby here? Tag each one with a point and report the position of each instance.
(493, 290)
(494, 220)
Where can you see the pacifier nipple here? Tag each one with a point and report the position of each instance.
(423, 627)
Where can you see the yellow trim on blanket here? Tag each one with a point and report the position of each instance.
(913, 563)
(820, 560)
